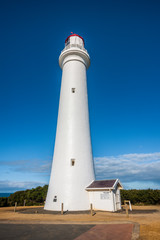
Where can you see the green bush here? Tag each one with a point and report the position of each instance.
(141, 197)
(4, 202)
(35, 196)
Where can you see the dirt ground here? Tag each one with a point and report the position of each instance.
(147, 216)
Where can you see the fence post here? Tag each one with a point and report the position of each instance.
(24, 203)
(91, 207)
(15, 206)
(62, 208)
(126, 210)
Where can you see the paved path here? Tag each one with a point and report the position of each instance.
(66, 231)
(108, 232)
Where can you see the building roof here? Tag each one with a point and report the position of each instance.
(104, 184)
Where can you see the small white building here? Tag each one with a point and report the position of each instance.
(105, 195)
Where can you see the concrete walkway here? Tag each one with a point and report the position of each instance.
(67, 231)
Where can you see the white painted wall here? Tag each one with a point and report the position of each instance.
(118, 199)
(73, 141)
(104, 200)
(101, 200)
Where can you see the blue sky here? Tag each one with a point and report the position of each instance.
(122, 38)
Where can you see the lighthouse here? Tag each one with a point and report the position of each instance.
(72, 167)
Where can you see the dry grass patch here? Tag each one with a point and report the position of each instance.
(150, 231)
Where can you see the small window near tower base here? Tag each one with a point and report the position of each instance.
(55, 199)
(72, 162)
(73, 90)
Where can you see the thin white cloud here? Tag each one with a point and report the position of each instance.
(13, 163)
(129, 168)
(12, 186)
(34, 166)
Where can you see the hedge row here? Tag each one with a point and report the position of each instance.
(37, 196)
(141, 197)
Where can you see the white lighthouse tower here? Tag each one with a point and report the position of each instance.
(72, 167)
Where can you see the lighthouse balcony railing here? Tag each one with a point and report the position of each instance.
(74, 45)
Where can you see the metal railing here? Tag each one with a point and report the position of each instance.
(74, 45)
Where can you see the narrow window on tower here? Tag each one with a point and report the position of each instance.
(72, 162)
(55, 199)
(73, 90)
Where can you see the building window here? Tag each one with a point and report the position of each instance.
(68, 42)
(72, 162)
(73, 90)
(55, 199)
